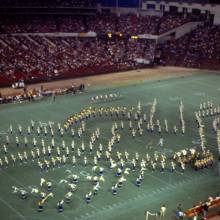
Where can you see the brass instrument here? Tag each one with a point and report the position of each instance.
(46, 197)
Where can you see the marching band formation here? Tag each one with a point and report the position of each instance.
(46, 146)
(108, 97)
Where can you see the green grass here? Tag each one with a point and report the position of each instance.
(130, 202)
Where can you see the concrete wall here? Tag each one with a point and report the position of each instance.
(178, 32)
(162, 6)
(132, 11)
(186, 29)
(204, 8)
(217, 19)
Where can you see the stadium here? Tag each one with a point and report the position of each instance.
(109, 109)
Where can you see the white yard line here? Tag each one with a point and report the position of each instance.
(120, 204)
(142, 196)
(13, 209)
(19, 183)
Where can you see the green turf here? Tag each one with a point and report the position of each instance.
(130, 202)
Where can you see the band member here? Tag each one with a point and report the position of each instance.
(60, 206)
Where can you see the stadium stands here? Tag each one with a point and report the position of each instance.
(169, 22)
(100, 23)
(199, 49)
(36, 58)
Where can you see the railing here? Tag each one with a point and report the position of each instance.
(199, 208)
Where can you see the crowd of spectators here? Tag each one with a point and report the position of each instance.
(125, 24)
(131, 24)
(42, 24)
(102, 23)
(199, 49)
(70, 24)
(138, 24)
(34, 58)
(48, 3)
(170, 21)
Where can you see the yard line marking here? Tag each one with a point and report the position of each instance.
(13, 179)
(145, 195)
(188, 180)
(199, 93)
(3, 133)
(162, 181)
(65, 217)
(183, 174)
(13, 209)
(195, 129)
(74, 194)
(21, 184)
(33, 116)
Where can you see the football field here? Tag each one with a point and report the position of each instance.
(131, 202)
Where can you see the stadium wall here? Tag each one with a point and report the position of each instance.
(162, 6)
(217, 19)
(158, 8)
(178, 32)
(186, 28)
(120, 3)
(122, 10)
